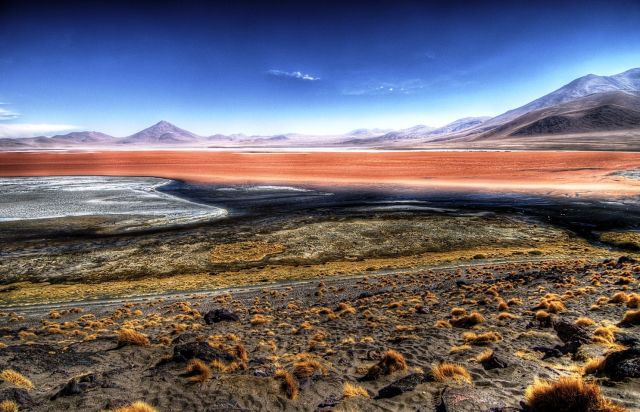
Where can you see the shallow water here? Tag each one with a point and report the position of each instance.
(135, 199)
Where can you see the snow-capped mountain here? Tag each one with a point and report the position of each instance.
(586, 85)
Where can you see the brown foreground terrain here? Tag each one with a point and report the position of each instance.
(556, 172)
(470, 338)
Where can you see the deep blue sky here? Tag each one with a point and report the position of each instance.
(311, 67)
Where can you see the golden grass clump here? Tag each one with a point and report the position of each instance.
(391, 362)
(8, 406)
(448, 372)
(458, 311)
(567, 394)
(484, 356)
(16, 379)
(466, 321)
(605, 334)
(132, 337)
(619, 297)
(634, 301)
(350, 390)
(198, 371)
(443, 324)
(459, 349)
(506, 315)
(288, 383)
(306, 368)
(585, 321)
(481, 338)
(631, 317)
(260, 319)
(137, 406)
(593, 366)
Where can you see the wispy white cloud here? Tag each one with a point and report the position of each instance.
(32, 129)
(382, 88)
(293, 75)
(6, 114)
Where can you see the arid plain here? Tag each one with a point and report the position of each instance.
(333, 281)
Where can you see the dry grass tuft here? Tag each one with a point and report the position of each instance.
(619, 297)
(481, 338)
(484, 356)
(8, 406)
(448, 372)
(467, 321)
(138, 406)
(16, 379)
(459, 349)
(567, 394)
(198, 371)
(442, 324)
(260, 319)
(634, 301)
(391, 362)
(350, 390)
(289, 383)
(593, 366)
(306, 368)
(132, 337)
(585, 321)
(631, 317)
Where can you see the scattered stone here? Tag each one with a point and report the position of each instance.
(626, 340)
(622, 364)
(20, 396)
(77, 385)
(198, 350)
(468, 400)
(625, 259)
(220, 315)
(402, 385)
(495, 361)
(569, 332)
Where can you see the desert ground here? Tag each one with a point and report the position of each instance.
(383, 281)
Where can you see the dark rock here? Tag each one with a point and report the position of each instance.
(622, 364)
(468, 400)
(625, 259)
(19, 396)
(329, 402)
(626, 340)
(69, 389)
(494, 362)
(201, 350)
(402, 385)
(548, 352)
(460, 283)
(422, 310)
(569, 332)
(220, 315)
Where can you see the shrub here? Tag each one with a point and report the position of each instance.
(16, 379)
(481, 338)
(8, 406)
(288, 383)
(567, 394)
(466, 321)
(619, 297)
(585, 321)
(198, 371)
(349, 390)
(447, 372)
(391, 362)
(131, 337)
(138, 406)
(306, 368)
(631, 317)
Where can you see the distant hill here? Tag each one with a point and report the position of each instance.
(161, 133)
(604, 107)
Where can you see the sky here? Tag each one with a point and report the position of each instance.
(313, 67)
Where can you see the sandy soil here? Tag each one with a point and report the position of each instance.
(558, 172)
(328, 334)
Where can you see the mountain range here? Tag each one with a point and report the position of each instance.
(590, 107)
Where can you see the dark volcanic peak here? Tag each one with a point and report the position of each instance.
(162, 132)
(628, 81)
(601, 118)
